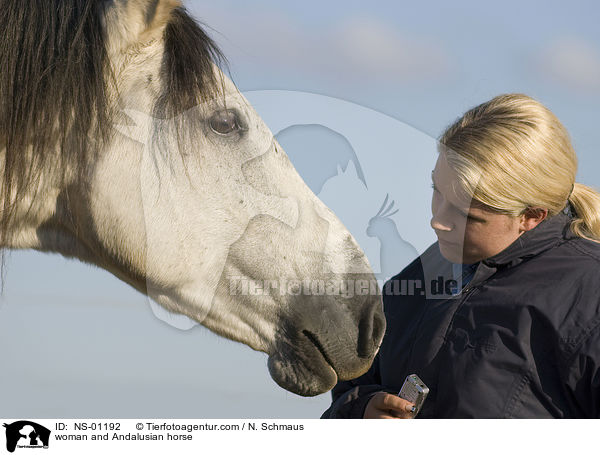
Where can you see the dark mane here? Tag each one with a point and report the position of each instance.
(52, 84)
(54, 80)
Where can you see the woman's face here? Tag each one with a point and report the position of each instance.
(466, 231)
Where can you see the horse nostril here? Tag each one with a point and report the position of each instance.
(370, 329)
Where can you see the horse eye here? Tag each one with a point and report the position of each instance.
(223, 122)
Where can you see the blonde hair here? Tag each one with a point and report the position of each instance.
(512, 153)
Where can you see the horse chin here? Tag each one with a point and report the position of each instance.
(303, 375)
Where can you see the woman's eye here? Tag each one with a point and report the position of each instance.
(224, 122)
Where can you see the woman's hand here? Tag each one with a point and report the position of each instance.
(387, 406)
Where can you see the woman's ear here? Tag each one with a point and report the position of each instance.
(531, 217)
(131, 22)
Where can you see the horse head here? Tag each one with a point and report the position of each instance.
(164, 175)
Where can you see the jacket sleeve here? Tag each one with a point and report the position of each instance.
(350, 398)
(584, 376)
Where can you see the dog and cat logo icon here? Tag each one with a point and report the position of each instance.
(24, 434)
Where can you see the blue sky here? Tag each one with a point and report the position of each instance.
(429, 61)
(98, 349)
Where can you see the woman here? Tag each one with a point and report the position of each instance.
(522, 336)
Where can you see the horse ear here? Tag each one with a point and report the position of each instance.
(129, 22)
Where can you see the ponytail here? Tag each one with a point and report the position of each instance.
(586, 204)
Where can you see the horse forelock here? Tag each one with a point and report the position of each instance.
(188, 75)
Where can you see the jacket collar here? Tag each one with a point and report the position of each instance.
(544, 236)
(547, 234)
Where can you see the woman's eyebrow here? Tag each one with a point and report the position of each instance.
(460, 210)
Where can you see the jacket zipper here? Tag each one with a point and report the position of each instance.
(466, 293)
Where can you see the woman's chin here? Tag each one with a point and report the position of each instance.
(453, 253)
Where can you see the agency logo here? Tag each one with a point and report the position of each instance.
(24, 434)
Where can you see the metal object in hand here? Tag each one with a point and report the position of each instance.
(415, 391)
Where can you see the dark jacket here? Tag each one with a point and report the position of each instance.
(522, 339)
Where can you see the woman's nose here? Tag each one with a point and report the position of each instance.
(440, 221)
(440, 226)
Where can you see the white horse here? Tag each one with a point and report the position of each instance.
(124, 145)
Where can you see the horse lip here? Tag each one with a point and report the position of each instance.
(317, 344)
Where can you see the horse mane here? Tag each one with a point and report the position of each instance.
(54, 86)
